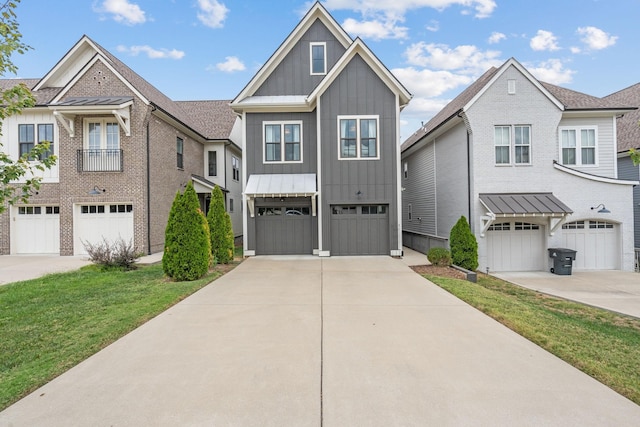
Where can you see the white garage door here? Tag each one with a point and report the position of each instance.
(597, 244)
(515, 246)
(36, 230)
(93, 223)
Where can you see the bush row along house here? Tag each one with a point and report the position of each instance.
(124, 149)
(532, 166)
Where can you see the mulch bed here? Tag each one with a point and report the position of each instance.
(435, 270)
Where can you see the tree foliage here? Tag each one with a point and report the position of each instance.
(464, 247)
(635, 156)
(13, 101)
(187, 248)
(221, 229)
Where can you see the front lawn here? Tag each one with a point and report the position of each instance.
(50, 324)
(600, 343)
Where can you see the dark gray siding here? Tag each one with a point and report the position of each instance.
(626, 170)
(293, 76)
(359, 91)
(254, 149)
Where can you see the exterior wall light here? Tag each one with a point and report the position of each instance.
(603, 210)
(95, 191)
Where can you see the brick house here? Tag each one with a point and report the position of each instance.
(531, 165)
(124, 149)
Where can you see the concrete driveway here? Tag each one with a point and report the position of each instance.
(14, 268)
(613, 290)
(305, 341)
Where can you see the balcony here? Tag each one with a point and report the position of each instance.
(100, 161)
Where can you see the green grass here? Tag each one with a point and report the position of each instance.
(50, 324)
(600, 343)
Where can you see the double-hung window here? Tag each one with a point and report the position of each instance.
(26, 138)
(578, 146)
(282, 142)
(318, 54)
(358, 137)
(213, 163)
(512, 142)
(45, 134)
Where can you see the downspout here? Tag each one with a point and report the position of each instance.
(153, 108)
(469, 176)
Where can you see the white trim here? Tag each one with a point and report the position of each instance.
(398, 182)
(249, 253)
(282, 160)
(324, 253)
(245, 200)
(319, 174)
(324, 59)
(593, 177)
(103, 121)
(578, 130)
(614, 147)
(358, 138)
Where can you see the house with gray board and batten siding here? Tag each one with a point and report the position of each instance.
(531, 165)
(321, 147)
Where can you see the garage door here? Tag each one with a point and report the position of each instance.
(360, 230)
(36, 230)
(597, 244)
(516, 246)
(92, 223)
(283, 230)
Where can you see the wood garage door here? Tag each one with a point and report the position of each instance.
(516, 246)
(283, 231)
(92, 223)
(597, 244)
(360, 230)
(36, 230)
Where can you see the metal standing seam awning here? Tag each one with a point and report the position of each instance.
(281, 185)
(118, 106)
(525, 205)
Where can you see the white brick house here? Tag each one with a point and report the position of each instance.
(531, 165)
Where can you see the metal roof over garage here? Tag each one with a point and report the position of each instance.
(281, 185)
(524, 204)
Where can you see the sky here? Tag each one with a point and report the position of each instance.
(210, 49)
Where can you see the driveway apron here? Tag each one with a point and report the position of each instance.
(307, 341)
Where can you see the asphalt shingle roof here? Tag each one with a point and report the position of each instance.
(628, 129)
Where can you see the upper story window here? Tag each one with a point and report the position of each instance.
(406, 170)
(179, 152)
(512, 142)
(317, 54)
(45, 134)
(101, 146)
(235, 167)
(26, 138)
(578, 146)
(213, 163)
(358, 137)
(282, 142)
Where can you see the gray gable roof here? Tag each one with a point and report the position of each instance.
(628, 129)
(214, 119)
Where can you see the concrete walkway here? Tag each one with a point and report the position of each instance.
(305, 341)
(612, 290)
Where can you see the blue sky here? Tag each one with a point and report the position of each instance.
(209, 49)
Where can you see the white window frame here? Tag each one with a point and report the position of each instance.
(283, 144)
(103, 121)
(512, 146)
(358, 138)
(324, 50)
(579, 146)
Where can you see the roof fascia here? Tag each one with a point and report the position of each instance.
(526, 73)
(358, 47)
(317, 11)
(64, 60)
(593, 177)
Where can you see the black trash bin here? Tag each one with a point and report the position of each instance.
(562, 260)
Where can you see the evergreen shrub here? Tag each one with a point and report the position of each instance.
(463, 244)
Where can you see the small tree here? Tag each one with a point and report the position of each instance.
(464, 247)
(187, 248)
(12, 101)
(635, 156)
(221, 228)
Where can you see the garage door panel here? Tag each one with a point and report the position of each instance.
(359, 230)
(36, 230)
(597, 244)
(283, 231)
(96, 223)
(515, 246)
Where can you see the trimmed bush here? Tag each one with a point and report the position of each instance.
(222, 241)
(187, 245)
(464, 247)
(439, 256)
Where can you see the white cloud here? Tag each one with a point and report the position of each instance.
(123, 11)
(595, 38)
(151, 52)
(375, 29)
(482, 8)
(466, 59)
(551, 71)
(496, 37)
(427, 83)
(433, 26)
(575, 49)
(212, 13)
(544, 40)
(231, 64)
